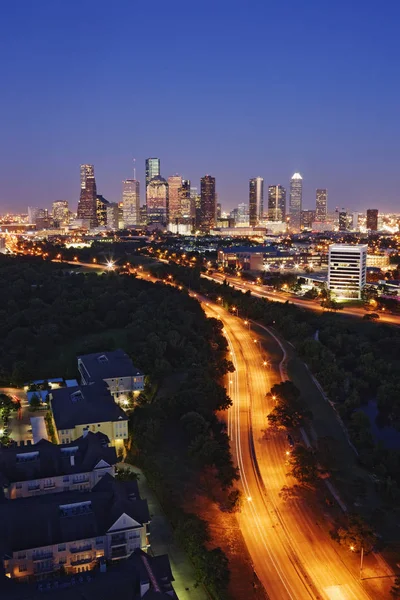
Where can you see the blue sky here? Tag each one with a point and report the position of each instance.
(234, 89)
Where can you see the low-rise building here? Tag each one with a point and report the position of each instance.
(115, 369)
(43, 468)
(72, 531)
(378, 260)
(83, 408)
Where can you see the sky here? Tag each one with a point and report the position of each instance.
(221, 87)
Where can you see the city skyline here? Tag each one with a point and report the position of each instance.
(345, 142)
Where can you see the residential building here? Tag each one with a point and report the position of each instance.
(207, 203)
(321, 205)
(131, 202)
(43, 468)
(139, 577)
(72, 530)
(115, 369)
(347, 267)
(175, 209)
(372, 219)
(276, 203)
(296, 202)
(60, 212)
(87, 200)
(307, 219)
(157, 201)
(83, 408)
(152, 169)
(112, 212)
(101, 210)
(256, 200)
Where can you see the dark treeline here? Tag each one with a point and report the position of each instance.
(355, 362)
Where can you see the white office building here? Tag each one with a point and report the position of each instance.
(347, 270)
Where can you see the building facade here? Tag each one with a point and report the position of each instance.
(321, 205)
(296, 202)
(276, 203)
(347, 270)
(307, 219)
(131, 202)
(157, 202)
(256, 200)
(60, 212)
(101, 210)
(174, 199)
(152, 169)
(87, 200)
(343, 221)
(372, 219)
(188, 211)
(208, 203)
(112, 214)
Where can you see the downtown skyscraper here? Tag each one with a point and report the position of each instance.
(372, 219)
(321, 205)
(175, 210)
(157, 201)
(152, 169)
(296, 202)
(208, 204)
(276, 203)
(131, 202)
(256, 200)
(186, 202)
(87, 201)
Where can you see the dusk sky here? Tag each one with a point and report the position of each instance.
(233, 89)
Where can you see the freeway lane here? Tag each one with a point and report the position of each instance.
(292, 554)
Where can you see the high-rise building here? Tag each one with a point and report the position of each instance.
(321, 205)
(87, 200)
(186, 204)
(256, 200)
(152, 169)
(60, 212)
(276, 203)
(347, 270)
(113, 215)
(219, 210)
(307, 219)
(157, 201)
(242, 215)
(101, 210)
(207, 203)
(343, 220)
(33, 214)
(131, 202)
(175, 210)
(372, 219)
(295, 203)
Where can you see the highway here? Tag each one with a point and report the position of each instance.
(293, 556)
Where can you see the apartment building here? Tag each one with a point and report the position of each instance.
(72, 532)
(45, 468)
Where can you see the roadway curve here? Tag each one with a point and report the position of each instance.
(293, 556)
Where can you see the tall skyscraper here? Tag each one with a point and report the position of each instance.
(321, 205)
(152, 169)
(174, 185)
(372, 219)
(256, 200)
(295, 203)
(87, 200)
(101, 210)
(276, 203)
(157, 201)
(207, 203)
(347, 267)
(131, 202)
(343, 220)
(186, 204)
(60, 212)
(307, 219)
(112, 215)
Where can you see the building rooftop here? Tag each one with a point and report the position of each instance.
(44, 459)
(108, 365)
(84, 404)
(50, 519)
(249, 249)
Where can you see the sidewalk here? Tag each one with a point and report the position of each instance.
(162, 542)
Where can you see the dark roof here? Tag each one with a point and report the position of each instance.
(121, 580)
(108, 365)
(19, 463)
(250, 249)
(84, 404)
(40, 521)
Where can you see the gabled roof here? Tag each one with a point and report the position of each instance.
(84, 404)
(108, 365)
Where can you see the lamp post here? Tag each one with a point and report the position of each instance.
(247, 323)
(352, 548)
(235, 309)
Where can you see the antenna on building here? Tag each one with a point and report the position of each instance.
(134, 169)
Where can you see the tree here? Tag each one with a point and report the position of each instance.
(395, 591)
(287, 411)
(122, 474)
(194, 424)
(35, 402)
(355, 533)
(303, 463)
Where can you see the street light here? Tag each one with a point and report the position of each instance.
(352, 548)
(235, 309)
(247, 323)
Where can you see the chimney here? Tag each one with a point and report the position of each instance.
(72, 460)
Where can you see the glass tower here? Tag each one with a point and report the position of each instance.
(87, 202)
(256, 200)
(208, 205)
(276, 203)
(295, 204)
(152, 169)
(321, 205)
(131, 202)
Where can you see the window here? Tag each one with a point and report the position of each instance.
(99, 541)
(66, 478)
(62, 547)
(18, 485)
(22, 568)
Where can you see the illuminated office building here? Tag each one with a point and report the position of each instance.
(152, 169)
(207, 203)
(157, 201)
(295, 202)
(276, 203)
(321, 205)
(256, 200)
(87, 200)
(131, 202)
(372, 219)
(174, 201)
(347, 270)
(60, 212)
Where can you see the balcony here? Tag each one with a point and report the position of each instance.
(77, 549)
(47, 568)
(82, 561)
(118, 539)
(120, 552)
(42, 556)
